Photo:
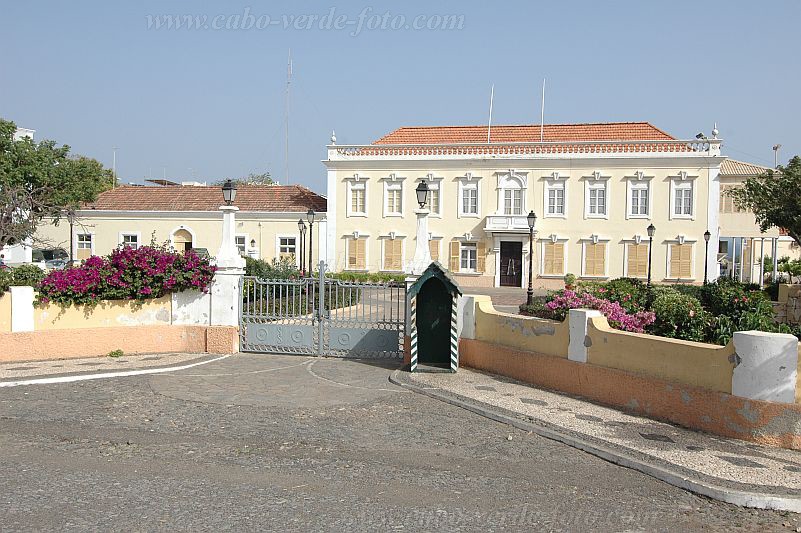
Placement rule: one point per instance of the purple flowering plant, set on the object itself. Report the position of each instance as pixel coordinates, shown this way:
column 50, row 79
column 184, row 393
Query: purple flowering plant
column 127, row 274
column 560, row 302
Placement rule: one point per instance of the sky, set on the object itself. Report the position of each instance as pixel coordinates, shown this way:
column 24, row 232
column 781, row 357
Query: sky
column 207, row 104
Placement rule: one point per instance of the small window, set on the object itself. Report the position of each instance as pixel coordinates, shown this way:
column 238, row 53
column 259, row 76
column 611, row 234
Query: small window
column 556, row 200
column 637, row 260
column 513, row 202
column 356, row 254
column 130, row 240
column 683, row 199
column 596, row 201
column 595, row 259
column 553, row 260
column 240, row 241
column 680, row 261
column 286, row 246
column 393, row 254
column 432, row 203
column 394, row 201
column 470, row 201
column 84, row 241
column 358, row 199
column 468, row 258
column 639, row 200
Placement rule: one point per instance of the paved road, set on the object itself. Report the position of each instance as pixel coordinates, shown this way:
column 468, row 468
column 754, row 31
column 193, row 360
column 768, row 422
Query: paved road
column 292, row 443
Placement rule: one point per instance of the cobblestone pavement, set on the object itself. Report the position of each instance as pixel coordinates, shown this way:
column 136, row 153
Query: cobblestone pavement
column 302, row 444
column 723, row 461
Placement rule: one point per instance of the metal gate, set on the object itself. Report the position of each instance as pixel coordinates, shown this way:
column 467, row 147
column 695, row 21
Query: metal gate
column 323, row 316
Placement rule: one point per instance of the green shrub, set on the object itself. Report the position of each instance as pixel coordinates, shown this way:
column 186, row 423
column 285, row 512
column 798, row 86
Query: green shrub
column 772, row 290
column 678, row 316
column 369, row 277
column 21, row 276
column 278, row 268
column 696, row 291
column 630, row 293
column 570, row 280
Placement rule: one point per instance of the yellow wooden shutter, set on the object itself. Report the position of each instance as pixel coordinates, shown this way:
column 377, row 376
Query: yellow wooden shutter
column 686, row 261
column 361, row 245
column 352, row 253
column 455, row 258
column 392, row 254
column 637, row 260
column 681, row 261
column 433, row 248
column 594, row 259
column 553, row 260
column 481, row 257
column 675, row 260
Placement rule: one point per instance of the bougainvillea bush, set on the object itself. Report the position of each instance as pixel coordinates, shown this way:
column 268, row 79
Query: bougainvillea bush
column 127, row 274
column 562, row 301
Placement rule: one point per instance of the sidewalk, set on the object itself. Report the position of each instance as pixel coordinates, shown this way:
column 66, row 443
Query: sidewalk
column 729, row 470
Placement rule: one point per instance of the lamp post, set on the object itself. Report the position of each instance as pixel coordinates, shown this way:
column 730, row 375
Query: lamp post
column 301, row 255
column 532, row 221
column 651, row 231
column 422, row 253
column 707, row 235
column 310, row 217
column 226, row 291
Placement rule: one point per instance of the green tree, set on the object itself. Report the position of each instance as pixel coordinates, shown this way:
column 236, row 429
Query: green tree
column 252, row 179
column 42, row 181
column 775, row 198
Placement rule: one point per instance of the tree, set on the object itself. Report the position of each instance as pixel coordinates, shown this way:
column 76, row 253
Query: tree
column 42, row 181
column 252, row 179
column 775, row 198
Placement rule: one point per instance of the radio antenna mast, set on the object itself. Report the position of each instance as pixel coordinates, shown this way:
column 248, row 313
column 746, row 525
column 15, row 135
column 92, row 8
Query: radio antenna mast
column 286, row 117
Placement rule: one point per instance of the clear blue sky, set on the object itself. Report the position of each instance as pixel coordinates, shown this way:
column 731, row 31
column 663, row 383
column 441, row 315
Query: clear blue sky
column 92, row 75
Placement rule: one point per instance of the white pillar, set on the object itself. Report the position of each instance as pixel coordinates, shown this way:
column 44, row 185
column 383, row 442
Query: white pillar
column 422, row 253
column 21, row 309
column 577, row 345
column 766, row 366
column 775, row 255
column 761, row 262
column 226, row 290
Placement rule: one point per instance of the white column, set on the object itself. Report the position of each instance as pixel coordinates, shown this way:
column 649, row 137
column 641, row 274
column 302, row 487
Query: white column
column 761, row 262
column 578, row 321
column 422, row 253
column 713, row 217
column 226, row 290
column 21, row 309
column 766, row 367
column 775, row 255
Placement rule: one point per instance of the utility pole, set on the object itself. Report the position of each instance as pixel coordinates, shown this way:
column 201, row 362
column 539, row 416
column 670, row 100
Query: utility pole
column 776, row 148
column 286, row 121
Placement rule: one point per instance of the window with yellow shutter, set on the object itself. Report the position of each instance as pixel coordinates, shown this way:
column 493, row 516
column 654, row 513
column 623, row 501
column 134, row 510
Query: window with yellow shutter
column 393, row 254
column 553, row 259
column 681, row 261
column 433, row 248
column 455, row 255
column 637, row 260
column 594, row 259
column 356, row 254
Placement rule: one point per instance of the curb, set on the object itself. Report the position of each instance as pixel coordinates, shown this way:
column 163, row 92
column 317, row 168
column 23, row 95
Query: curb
column 742, row 498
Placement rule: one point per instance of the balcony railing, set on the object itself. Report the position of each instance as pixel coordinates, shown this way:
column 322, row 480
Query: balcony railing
column 506, row 223
column 695, row 147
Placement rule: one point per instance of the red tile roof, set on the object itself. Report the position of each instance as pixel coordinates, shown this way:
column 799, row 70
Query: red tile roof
column 607, row 131
column 262, row 198
column 732, row 167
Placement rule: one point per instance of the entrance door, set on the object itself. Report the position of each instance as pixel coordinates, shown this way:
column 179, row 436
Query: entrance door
column 511, row 264
column 434, row 324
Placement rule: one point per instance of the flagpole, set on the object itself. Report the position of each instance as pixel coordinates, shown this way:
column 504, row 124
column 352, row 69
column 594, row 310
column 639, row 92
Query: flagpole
column 542, row 113
column 489, row 123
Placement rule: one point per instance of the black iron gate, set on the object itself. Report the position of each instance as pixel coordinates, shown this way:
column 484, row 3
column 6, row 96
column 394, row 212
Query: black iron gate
column 323, row 316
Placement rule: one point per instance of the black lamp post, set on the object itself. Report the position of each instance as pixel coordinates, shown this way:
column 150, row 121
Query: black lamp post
column 229, row 192
column 532, row 221
column 422, row 193
column 310, row 218
column 707, row 235
column 302, row 232
column 651, row 231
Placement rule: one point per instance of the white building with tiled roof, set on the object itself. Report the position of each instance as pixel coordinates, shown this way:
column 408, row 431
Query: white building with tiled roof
column 187, row 216
column 595, row 189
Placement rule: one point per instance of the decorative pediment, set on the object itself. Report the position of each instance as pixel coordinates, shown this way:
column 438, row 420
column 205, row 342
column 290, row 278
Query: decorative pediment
column 355, row 234
column 356, row 178
column 598, row 175
column 394, row 178
column 556, row 176
column 469, row 177
column 639, row 175
column 392, row 235
column 680, row 238
column 554, row 237
column 594, row 238
column 683, row 176
column 637, row 239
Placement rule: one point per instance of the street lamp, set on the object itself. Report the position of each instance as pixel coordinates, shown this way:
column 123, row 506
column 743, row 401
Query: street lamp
column 532, row 221
column 422, row 193
column 651, row 230
column 707, row 235
column 310, row 218
column 302, row 232
column 229, row 192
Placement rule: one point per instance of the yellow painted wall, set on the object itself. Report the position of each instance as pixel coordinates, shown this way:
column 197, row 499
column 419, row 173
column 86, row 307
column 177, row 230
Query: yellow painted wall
column 104, row 314
column 574, row 227
column 5, row 313
column 693, row 363
column 546, row 337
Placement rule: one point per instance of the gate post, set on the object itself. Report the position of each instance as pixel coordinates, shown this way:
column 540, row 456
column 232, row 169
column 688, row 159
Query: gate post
column 320, row 309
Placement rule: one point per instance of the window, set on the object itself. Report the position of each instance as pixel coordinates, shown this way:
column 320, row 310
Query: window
column 240, row 241
column 84, row 245
column 553, row 258
column 467, row 257
column 356, row 254
column 357, row 199
column 432, row 203
column 639, row 200
column 394, row 201
column 680, row 266
column 131, row 240
column 596, row 199
column 393, row 254
column 433, row 248
column 556, row 199
column 595, row 259
column 727, row 204
column 470, row 200
column 286, row 246
column 513, row 202
column 637, row 260
column 683, row 203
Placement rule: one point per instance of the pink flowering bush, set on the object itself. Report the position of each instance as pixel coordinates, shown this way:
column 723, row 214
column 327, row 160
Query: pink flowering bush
column 127, row 274
column 562, row 301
